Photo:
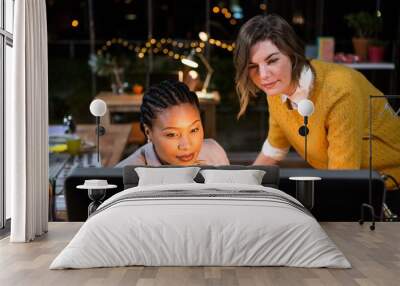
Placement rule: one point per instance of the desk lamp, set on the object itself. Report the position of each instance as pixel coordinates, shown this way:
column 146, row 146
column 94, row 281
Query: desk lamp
column 98, row 108
column 305, row 185
column 190, row 62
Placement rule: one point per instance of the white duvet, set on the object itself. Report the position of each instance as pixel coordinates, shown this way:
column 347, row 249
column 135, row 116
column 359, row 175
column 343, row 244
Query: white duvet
column 207, row 230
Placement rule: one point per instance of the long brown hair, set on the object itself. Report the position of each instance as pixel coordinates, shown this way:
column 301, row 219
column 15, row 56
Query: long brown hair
column 257, row 29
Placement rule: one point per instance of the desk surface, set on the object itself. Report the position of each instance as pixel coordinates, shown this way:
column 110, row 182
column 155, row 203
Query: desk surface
column 374, row 255
column 371, row 66
column 112, row 144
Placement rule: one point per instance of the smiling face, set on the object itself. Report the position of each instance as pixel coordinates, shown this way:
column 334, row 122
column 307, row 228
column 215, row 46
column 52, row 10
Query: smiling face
column 177, row 134
column 269, row 69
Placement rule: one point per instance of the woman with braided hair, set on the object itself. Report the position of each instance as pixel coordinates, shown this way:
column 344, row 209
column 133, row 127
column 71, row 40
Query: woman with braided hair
column 170, row 119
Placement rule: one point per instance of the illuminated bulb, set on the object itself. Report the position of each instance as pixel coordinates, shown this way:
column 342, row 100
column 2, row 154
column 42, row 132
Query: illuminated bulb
column 203, row 36
column 190, row 63
column 263, row 6
column 98, row 107
column 215, row 9
column 305, row 107
column 75, row 23
column 193, row 74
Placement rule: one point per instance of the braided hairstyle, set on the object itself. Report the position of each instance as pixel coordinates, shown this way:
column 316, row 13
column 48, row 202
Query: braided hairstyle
column 163, row 95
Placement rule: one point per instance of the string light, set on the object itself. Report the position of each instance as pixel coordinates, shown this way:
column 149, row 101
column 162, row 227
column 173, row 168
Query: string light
column 203, row 36
column 156, row 46
column 226, row 13
column 75, row 23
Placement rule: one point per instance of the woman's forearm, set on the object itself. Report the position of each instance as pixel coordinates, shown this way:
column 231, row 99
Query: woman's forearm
column 264, row 160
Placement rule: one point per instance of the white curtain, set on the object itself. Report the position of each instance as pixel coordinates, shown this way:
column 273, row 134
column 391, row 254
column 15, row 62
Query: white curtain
column 27, row 123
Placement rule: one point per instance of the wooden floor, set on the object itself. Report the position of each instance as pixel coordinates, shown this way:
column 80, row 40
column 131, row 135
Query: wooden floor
column 375, row 256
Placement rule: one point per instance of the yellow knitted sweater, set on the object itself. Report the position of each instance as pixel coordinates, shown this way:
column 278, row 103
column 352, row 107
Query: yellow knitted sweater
column 339, row 126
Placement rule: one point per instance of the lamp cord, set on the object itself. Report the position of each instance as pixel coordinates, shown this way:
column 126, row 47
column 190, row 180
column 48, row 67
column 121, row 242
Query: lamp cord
column 305, row 137
column 98, row 139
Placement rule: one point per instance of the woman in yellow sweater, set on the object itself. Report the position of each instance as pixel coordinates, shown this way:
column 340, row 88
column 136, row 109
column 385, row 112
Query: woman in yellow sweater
column 270, row 57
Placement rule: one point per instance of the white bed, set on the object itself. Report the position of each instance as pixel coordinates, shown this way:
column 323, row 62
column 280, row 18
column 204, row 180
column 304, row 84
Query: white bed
column 201, row 224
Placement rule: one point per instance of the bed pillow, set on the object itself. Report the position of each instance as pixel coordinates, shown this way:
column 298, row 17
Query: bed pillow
column 163, row 176
column 248, row 177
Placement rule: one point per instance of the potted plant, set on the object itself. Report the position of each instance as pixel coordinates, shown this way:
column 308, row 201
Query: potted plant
column 109, row 67
column 365, row 25
column 376, row 51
